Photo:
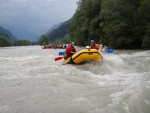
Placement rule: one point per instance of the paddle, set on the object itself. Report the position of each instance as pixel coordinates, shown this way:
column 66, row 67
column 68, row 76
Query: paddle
column 58, row 58
column 108, row 51
column 61, row 53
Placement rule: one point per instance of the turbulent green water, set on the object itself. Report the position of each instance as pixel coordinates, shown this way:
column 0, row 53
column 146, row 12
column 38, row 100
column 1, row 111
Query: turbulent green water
column 32, row 82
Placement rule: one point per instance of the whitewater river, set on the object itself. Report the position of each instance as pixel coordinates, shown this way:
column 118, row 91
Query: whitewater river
column 32, row 82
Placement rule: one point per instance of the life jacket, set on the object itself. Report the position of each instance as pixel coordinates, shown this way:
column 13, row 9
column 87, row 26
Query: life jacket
column 70, row 49
column 95, row 46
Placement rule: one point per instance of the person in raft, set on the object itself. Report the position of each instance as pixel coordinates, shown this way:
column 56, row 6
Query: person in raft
column 70, row 50
column 93, row 45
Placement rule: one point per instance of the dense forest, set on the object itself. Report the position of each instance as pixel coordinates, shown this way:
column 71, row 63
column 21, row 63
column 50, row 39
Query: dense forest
column 6, row 42
column 120, row 24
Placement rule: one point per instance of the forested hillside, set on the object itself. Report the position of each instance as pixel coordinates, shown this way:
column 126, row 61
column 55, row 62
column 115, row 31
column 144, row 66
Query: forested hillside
column 59, row 32
column 5, row 37
column 120, row 24
column 6, row 33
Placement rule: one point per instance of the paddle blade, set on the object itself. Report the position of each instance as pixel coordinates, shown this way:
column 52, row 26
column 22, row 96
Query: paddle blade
column 58, row 58
column 109, row 51
column 61, row 53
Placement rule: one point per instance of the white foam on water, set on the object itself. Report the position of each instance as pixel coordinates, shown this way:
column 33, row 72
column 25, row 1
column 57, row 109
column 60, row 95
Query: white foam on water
column 20, row 58
column 4, row 108
column 116, row 85
column 113, row 58
column 147, row 102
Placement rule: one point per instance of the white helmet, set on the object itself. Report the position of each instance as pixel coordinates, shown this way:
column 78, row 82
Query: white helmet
column 87, row 47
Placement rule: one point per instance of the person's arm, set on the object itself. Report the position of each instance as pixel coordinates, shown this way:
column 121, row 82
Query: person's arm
column 73, row 50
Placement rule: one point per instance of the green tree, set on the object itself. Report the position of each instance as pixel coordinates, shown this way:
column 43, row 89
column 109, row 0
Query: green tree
column 4, row 42
column 118, row 23
column 43, row 40
column 142, row 23
column 122, row 24
column 21, row 42
column 85, row 24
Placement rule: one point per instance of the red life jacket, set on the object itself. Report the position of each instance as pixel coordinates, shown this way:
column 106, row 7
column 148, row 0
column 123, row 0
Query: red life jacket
column 70, row 49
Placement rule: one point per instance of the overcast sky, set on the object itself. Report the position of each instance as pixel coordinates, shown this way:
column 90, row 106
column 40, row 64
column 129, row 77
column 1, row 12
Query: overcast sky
column 36, row 15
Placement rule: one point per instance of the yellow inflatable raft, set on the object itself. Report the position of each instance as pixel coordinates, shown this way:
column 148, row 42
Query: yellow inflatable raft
column 84, row 55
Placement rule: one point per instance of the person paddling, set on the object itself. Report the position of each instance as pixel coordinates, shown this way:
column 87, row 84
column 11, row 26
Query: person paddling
column 70, row 50
column 93, row 45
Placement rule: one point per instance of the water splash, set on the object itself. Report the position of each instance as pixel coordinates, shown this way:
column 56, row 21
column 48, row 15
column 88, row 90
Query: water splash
column 30, row 77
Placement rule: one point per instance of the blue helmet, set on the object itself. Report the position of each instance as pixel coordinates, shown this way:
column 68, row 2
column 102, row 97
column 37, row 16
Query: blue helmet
column 92, row 41
column 72, row 42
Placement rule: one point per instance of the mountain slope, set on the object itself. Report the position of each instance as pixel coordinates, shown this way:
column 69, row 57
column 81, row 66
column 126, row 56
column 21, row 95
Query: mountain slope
column 7, row 33
column 59, row 32
column 53, row 27
column 21, row 33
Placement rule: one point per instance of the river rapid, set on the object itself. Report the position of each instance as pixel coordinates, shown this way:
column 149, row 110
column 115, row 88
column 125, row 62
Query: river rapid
column 32, row 82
